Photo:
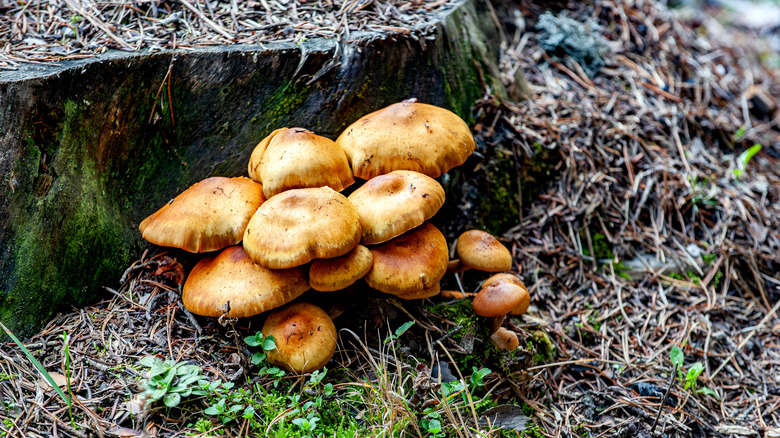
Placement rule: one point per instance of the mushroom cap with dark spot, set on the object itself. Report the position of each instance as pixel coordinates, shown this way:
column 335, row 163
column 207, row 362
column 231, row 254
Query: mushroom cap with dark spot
column 392, row 204
column 210, row 215
column 505, row 339
column 305, row 337
column 230, row 276
column 407, row 136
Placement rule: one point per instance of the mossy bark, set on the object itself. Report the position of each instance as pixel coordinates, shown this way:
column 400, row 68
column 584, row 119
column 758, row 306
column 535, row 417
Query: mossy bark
column 89, row 148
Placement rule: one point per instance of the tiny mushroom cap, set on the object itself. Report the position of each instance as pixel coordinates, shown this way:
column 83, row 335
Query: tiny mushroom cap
column 409, row 263
column 481, row 251
column 305, row 337
column 498, row 299
column 210, row 215
column 407, row 136
column 228, row 282
column 326, row 275
column 297, row 226
column 296, row 158
column 392, row 204
column 511, row 278
column 505, row 339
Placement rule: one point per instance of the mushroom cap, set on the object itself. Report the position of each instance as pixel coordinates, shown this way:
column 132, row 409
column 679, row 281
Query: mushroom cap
column 407, row 136
column 210, row 215
column 505, row 339
column 481, row 251
column 513, row 279
column 299, row 225
column 326, row 275
column 422, row 294
column 305, row 337
column 296, row 158
column 250, row 288
column 409, row 263
column 498, row 299
column 394, row 203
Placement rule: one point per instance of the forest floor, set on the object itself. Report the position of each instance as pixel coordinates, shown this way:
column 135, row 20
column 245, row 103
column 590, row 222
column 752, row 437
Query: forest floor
column 640, row 212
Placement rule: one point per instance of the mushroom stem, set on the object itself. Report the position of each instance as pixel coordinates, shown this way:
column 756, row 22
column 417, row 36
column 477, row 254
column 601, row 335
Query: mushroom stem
column 455, row 266
column 495, row 323
column 456, row 294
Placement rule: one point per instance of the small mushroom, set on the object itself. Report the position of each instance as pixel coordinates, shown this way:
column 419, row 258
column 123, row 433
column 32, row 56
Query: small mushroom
column 505, row 339
column 210, row 215
column 511, row 278
column 327, row 275
column 481, row 251
column 497, row 300
column 305, row 337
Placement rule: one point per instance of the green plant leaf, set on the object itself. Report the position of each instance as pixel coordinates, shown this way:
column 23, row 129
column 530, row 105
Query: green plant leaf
column 269, row 343
column 744, row 159
column 172, row 399
column 149, row 361
column 38, row 365
column 707, row 391
column 401, row 330
column 254, row 341
column 211, row 410
column 258, row 358
column 677, row 357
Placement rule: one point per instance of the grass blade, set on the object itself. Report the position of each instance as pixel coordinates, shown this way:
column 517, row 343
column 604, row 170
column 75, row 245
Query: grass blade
column 37, row 365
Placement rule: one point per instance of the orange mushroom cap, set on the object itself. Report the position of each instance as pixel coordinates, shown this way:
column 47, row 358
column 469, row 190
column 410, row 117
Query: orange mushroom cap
column 296, row 158
column 392, row 204
column 409, row 263
column 482, row 251
column 407, row 136
column 299, row 225
column 305, row 337
column 326, row 275
column 498, row 299
column 230, row 276
column 210, row 215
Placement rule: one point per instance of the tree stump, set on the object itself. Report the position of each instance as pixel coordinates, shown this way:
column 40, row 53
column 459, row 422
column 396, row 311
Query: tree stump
column 91, row 147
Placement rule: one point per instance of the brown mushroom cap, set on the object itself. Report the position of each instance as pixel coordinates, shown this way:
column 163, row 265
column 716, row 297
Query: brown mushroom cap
column 210, row 215
column 305, row 337
column 407, row 136
column 522, row 308
column 230, row 276
column 498, row 299
column 392, row 204
column 481, row 251
column 299, row 225
column 411, row 262
column 505, row 339
column 296, row 158
column 422, row 294
column 326, row 275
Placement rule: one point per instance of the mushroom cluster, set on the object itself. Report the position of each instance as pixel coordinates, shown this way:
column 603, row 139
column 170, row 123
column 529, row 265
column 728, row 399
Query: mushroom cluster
column 286, row 228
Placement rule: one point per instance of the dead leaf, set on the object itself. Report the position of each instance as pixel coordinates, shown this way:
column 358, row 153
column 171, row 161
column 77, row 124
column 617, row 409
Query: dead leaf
column 509, row 417
column 59, row 380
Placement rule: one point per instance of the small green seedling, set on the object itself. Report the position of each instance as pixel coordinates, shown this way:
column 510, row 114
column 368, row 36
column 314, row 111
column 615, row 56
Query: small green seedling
column 744, row 159
column 399, row 331
column 691, row 378
column 171, row 381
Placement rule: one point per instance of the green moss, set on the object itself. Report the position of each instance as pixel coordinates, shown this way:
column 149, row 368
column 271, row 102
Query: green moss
column 542, row 347
column 498, row 211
